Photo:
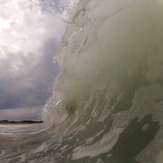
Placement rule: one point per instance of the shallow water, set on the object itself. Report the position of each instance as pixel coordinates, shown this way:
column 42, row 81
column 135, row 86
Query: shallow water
column 21, row 128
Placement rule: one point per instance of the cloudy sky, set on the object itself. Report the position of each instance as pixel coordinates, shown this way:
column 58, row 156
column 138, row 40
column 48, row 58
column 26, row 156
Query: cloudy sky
column 29, row 32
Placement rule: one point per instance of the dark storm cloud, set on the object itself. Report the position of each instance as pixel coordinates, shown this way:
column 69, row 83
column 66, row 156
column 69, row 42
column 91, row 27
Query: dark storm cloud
column 29, row 32
column 33, row 87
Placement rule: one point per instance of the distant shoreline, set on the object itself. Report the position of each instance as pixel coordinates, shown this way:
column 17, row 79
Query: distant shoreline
column 24, row 122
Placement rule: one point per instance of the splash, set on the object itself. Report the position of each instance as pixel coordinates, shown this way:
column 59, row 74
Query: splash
column 106, row 103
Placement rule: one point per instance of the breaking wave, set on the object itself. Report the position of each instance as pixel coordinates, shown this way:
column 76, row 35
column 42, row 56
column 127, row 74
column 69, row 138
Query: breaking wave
column 106, row 103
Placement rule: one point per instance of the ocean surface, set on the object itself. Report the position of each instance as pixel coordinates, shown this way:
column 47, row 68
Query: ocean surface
column 107, row 101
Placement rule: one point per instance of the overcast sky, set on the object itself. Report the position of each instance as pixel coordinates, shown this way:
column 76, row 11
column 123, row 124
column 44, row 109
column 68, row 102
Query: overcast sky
column 29, row 32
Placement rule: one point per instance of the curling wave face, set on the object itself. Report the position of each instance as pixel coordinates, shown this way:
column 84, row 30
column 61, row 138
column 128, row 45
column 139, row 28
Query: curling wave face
column 106, row 104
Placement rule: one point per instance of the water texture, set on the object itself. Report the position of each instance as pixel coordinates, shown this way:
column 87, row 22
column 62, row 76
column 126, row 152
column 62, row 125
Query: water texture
column 107, row 101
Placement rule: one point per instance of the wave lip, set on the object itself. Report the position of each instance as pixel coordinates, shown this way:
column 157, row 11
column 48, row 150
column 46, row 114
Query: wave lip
column 107, row 100
column 103, row 43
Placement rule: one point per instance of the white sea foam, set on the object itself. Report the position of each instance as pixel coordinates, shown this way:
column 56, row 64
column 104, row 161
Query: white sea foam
column 105, row 42
column 100, row 147
column 111, row 73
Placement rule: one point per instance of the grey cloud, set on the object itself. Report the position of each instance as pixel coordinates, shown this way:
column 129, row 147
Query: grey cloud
column 31, row 113
column 57, row 5
column 34, row 86
column 28, row 46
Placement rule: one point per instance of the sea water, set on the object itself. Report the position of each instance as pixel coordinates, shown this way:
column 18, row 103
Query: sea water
column 106, row 103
